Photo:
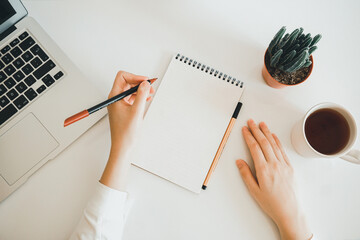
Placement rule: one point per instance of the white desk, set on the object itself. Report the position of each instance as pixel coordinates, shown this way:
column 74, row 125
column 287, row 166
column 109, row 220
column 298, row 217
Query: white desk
column 140, row 36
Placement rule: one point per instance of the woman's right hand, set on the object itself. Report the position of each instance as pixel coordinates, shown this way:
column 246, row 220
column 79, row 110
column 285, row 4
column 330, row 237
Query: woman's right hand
column 125, row 117
column 273, row 187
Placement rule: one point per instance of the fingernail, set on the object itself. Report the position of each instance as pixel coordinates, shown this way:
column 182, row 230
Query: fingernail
column 144, row 85
column 239, row 163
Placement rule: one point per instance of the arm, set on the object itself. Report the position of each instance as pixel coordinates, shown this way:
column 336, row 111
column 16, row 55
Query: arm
column 125, row 119
column 273, row 187
column 104, row 216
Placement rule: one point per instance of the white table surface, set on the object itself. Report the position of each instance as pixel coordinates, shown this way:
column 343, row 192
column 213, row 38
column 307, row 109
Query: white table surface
column 102, row 37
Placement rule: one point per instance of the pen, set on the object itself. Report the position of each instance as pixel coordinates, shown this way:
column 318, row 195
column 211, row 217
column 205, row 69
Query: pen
column 222, row 144
column 87, row 112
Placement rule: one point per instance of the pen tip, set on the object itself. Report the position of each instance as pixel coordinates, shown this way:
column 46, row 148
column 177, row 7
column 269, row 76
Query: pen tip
column 152, row 80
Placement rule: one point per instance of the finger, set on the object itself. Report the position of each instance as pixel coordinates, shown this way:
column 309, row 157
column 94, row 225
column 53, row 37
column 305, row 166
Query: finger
column 130, row 99
column 278, row 143
column 118, row 88
column 264, row 128
column 255, row 150
column 131, row 78
column 125, row 80
column 263, row 142
column 127, row 98
column 141, row 96
column 152, row 90
column 248, row 178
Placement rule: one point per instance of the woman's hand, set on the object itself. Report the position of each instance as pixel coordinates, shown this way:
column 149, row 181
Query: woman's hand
column 273, row 187
column 125, row 117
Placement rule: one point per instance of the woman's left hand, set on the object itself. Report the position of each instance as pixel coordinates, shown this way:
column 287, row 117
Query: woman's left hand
column 273, row 187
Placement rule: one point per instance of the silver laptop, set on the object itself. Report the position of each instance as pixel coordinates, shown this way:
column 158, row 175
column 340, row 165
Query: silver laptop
column 39, row 88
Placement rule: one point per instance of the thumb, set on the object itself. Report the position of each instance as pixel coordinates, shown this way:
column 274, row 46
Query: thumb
column 248, row 178
column 141, row 96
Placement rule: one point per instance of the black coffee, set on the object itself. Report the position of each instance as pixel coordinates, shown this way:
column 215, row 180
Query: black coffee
column 327, row 131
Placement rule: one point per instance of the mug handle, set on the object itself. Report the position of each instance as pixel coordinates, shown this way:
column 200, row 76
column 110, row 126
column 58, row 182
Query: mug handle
column 352, row 156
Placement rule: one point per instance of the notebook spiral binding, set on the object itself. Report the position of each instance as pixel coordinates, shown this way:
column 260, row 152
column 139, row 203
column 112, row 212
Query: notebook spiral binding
column 209, row 70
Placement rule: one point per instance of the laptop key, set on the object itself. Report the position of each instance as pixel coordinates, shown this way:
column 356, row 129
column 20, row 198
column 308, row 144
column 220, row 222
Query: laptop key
column 4, row 101
column 48, row 80
column 30, row 80
column 10, row 83
column 16, row 52
column 21, row 87
column 27, row 43
column 9, row 70
column 12, row 94
column 36, row 50
column 41, row 89
column 1, row 65
column 2, row 76
column 23, row 35
column 27, row 56
column 58, row 75
column 36, row 62
column 2, row 89
column 14, row 42
column 7, row 113
column 19, row 76
column 27, row 69
column 7, row 58
column 30, row 94
column 5, row 49
column 20, row 102
column 18, row 63
column 44, row 69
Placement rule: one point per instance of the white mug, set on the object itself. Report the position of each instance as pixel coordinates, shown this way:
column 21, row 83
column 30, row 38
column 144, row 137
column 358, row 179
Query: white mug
column 303, row 147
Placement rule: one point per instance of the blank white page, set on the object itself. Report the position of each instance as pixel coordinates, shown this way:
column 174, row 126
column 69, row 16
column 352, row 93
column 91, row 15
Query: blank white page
column 184, row 125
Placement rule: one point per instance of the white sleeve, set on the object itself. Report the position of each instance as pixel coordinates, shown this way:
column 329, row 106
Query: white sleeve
column 313, row 237
column 104, row 216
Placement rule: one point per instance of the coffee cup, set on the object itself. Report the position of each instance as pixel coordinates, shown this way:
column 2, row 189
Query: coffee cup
column 327, row 130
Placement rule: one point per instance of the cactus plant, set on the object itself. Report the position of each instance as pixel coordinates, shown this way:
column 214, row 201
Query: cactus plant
column 291, row 52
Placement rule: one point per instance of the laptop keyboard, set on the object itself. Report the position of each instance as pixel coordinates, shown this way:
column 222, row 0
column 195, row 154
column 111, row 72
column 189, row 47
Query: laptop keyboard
column 26, row 72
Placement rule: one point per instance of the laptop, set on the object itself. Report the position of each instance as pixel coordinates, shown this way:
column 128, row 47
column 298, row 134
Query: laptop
column 39, row 88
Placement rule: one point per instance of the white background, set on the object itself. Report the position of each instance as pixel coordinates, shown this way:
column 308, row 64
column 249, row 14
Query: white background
column 102, row 37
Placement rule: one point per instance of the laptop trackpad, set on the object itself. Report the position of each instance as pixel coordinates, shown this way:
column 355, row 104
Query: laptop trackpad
column 23, row 146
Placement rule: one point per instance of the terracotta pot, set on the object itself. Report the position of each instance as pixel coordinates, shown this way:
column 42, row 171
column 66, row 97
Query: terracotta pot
column 272, row 82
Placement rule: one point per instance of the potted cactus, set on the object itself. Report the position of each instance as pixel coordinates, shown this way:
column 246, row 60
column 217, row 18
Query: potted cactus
column 288, row 60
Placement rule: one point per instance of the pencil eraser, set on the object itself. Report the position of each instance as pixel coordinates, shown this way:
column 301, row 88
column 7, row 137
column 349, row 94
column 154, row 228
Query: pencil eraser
column 204, row 187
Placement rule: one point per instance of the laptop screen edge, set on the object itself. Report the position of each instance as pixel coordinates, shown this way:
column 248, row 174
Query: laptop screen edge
column 21, row 12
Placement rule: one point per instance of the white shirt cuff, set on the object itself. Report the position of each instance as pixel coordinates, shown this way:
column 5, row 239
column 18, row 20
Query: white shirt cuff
column 107, row 202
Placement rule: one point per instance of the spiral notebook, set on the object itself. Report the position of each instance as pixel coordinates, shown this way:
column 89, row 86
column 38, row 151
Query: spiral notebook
column 186, row 121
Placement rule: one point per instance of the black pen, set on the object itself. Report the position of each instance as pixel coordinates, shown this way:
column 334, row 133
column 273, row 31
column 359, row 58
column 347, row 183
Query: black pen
column 87, row 112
